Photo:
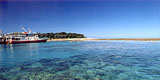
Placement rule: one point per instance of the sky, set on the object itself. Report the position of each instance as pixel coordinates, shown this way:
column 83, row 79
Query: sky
column 93, row 18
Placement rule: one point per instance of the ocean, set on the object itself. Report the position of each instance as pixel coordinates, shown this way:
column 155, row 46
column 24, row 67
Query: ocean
column 81, row 60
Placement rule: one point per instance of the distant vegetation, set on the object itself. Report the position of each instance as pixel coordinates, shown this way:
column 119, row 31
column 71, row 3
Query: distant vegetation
column 60, row 35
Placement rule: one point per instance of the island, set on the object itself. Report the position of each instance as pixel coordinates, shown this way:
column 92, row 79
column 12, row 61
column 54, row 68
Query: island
column 60, row 35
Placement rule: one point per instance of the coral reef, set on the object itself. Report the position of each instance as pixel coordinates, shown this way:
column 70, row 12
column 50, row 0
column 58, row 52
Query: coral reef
column 83, row 67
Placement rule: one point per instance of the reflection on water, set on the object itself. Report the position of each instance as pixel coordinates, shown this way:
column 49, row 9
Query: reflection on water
column 12, row 54
column 89, row 60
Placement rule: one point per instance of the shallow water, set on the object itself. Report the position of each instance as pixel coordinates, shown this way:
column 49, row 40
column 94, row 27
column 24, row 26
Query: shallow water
column 88, row 60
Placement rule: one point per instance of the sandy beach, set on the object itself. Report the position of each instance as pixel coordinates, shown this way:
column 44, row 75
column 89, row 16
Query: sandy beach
column 94, row 39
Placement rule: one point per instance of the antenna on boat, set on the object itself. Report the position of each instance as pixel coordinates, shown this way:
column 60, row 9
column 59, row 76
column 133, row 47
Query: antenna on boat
column 24, row 29
column 0, row 32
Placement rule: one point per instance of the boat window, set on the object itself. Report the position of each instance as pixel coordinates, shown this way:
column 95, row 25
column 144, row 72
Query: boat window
column 29, row 34
column 17, row 39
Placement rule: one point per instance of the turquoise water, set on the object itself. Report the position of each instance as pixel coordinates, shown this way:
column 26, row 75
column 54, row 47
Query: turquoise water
column 88, row 60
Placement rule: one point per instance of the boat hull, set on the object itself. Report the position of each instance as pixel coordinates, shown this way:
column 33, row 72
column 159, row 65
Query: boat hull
column 1, row 42
column 23, row 41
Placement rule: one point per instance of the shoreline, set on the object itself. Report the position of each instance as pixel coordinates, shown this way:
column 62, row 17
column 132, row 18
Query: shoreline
column 94, row 39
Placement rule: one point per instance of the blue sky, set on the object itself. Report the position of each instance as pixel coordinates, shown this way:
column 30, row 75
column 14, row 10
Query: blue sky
column 96, row 19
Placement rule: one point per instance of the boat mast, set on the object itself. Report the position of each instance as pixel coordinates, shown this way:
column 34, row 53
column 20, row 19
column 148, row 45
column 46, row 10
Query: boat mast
column 24, row 29
column 29, row 30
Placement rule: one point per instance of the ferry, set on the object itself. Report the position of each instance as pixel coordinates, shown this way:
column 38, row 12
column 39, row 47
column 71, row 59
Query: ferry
column 20, row 37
